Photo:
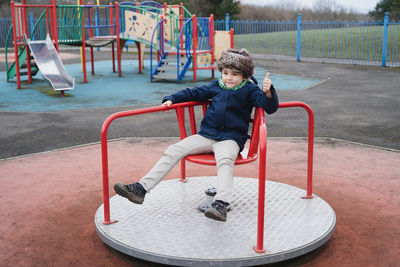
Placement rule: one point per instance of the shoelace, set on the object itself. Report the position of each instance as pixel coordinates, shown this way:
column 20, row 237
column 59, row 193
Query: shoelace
column 135, row 189
column 219, row 207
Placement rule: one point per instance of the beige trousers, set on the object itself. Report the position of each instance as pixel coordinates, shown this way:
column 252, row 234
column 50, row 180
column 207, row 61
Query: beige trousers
column 225, row 153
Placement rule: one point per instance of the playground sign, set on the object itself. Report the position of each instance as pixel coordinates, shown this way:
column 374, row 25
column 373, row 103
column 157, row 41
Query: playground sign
column 140, row 25
column 204, row 59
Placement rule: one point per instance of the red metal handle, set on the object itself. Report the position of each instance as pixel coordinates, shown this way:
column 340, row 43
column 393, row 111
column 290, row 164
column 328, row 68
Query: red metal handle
column 104, row 148
column 259, row 248
column 262, row 163
column 310, row 141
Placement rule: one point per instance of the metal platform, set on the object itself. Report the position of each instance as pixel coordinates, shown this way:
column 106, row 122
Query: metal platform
column 168, row 228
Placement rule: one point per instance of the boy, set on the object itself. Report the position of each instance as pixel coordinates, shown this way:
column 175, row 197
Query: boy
column 223, row 129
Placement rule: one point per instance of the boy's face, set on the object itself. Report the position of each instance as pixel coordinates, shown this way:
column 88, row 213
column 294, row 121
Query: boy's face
column 231, row 78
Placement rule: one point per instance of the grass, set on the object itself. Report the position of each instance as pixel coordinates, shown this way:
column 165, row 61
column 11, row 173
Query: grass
column 357, row 43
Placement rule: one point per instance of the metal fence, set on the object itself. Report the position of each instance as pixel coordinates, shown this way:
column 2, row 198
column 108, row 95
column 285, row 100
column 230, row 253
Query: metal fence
column 5, row 24
column 344, row 42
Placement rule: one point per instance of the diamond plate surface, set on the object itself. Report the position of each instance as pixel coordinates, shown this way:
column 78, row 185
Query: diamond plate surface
column 169, row 228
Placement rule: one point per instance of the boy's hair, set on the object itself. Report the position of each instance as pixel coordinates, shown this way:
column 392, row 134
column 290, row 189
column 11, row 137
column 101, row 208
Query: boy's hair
column 239, row 60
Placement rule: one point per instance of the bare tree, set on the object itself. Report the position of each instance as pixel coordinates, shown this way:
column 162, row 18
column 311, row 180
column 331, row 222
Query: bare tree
column 288, row 10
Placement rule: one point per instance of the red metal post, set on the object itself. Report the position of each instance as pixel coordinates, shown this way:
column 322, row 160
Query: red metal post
column 104, row 157
column 194, row 40
column 192, row 120
column 232, row 38
column 211, row 34
column 112, row 34
column 49, row 21
column 15, row 44
column 24, row 23
column 54, row 23
column 259, row 248
column 180, row 28
column 140, row 59
column 48, row 26
column 118, row 39
column 181, row 19
column 310, row 151
column 83, row 42
column 180, row 115
column 183, row 171
column 162, row 36
column 90, row 35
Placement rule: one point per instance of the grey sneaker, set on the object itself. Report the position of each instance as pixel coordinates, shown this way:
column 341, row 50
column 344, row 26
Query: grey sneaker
column 133, row 192
column 217, row 211
column 210, row 194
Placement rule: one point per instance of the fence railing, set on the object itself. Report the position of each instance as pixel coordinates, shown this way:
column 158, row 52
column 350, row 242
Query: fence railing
column 5, row 24
column 344, row 42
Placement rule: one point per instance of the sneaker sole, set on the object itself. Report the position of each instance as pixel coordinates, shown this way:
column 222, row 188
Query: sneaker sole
column 120, row 190
column 204, row 205
column 215, row 216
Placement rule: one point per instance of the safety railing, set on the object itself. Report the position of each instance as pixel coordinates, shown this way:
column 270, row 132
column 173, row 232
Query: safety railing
column 259, row 248
column 343, row 42
column 69, row 24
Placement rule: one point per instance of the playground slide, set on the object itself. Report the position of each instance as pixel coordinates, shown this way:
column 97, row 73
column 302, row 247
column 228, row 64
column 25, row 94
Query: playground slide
column 50, row 65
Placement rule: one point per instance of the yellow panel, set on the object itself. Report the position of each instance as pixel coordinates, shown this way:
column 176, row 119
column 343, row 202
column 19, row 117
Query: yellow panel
column 222, row 43
column 204, row 59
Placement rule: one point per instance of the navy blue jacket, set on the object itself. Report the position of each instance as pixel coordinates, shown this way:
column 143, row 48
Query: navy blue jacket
column 228, row 115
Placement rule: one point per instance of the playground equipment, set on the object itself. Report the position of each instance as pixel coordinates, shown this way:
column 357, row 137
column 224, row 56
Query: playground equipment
column 49, row 63
column 179, row 37
column 296, row 223
column 69, row 29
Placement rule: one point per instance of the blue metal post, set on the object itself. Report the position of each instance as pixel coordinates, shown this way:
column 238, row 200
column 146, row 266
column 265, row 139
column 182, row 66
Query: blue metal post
column 227, row 22
column 298, row 36
column 385, row 38
column 97, row 24
column 32, row 25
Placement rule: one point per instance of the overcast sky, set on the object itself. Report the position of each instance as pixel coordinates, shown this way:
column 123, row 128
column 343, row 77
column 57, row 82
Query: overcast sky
column 359, row 5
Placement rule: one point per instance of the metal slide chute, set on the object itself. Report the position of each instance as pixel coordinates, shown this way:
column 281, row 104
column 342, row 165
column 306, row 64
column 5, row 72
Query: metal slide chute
column 50, row 64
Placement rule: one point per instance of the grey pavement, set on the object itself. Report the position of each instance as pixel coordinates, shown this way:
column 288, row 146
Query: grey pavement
column 353, row 103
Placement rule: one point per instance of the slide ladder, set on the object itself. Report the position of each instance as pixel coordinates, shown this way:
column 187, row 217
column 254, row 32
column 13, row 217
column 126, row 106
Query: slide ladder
column 173, row 64
column 194, row 46
column 23, row 67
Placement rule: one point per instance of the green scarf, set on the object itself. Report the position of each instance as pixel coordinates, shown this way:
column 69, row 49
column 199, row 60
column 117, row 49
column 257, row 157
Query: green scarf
column 223, row 86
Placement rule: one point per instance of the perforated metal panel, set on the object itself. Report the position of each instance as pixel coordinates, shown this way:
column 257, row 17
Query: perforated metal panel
column 168, row 228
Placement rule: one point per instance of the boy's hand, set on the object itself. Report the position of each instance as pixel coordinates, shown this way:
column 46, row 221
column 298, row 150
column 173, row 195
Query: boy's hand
column 167, row 103
column 267, row 86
